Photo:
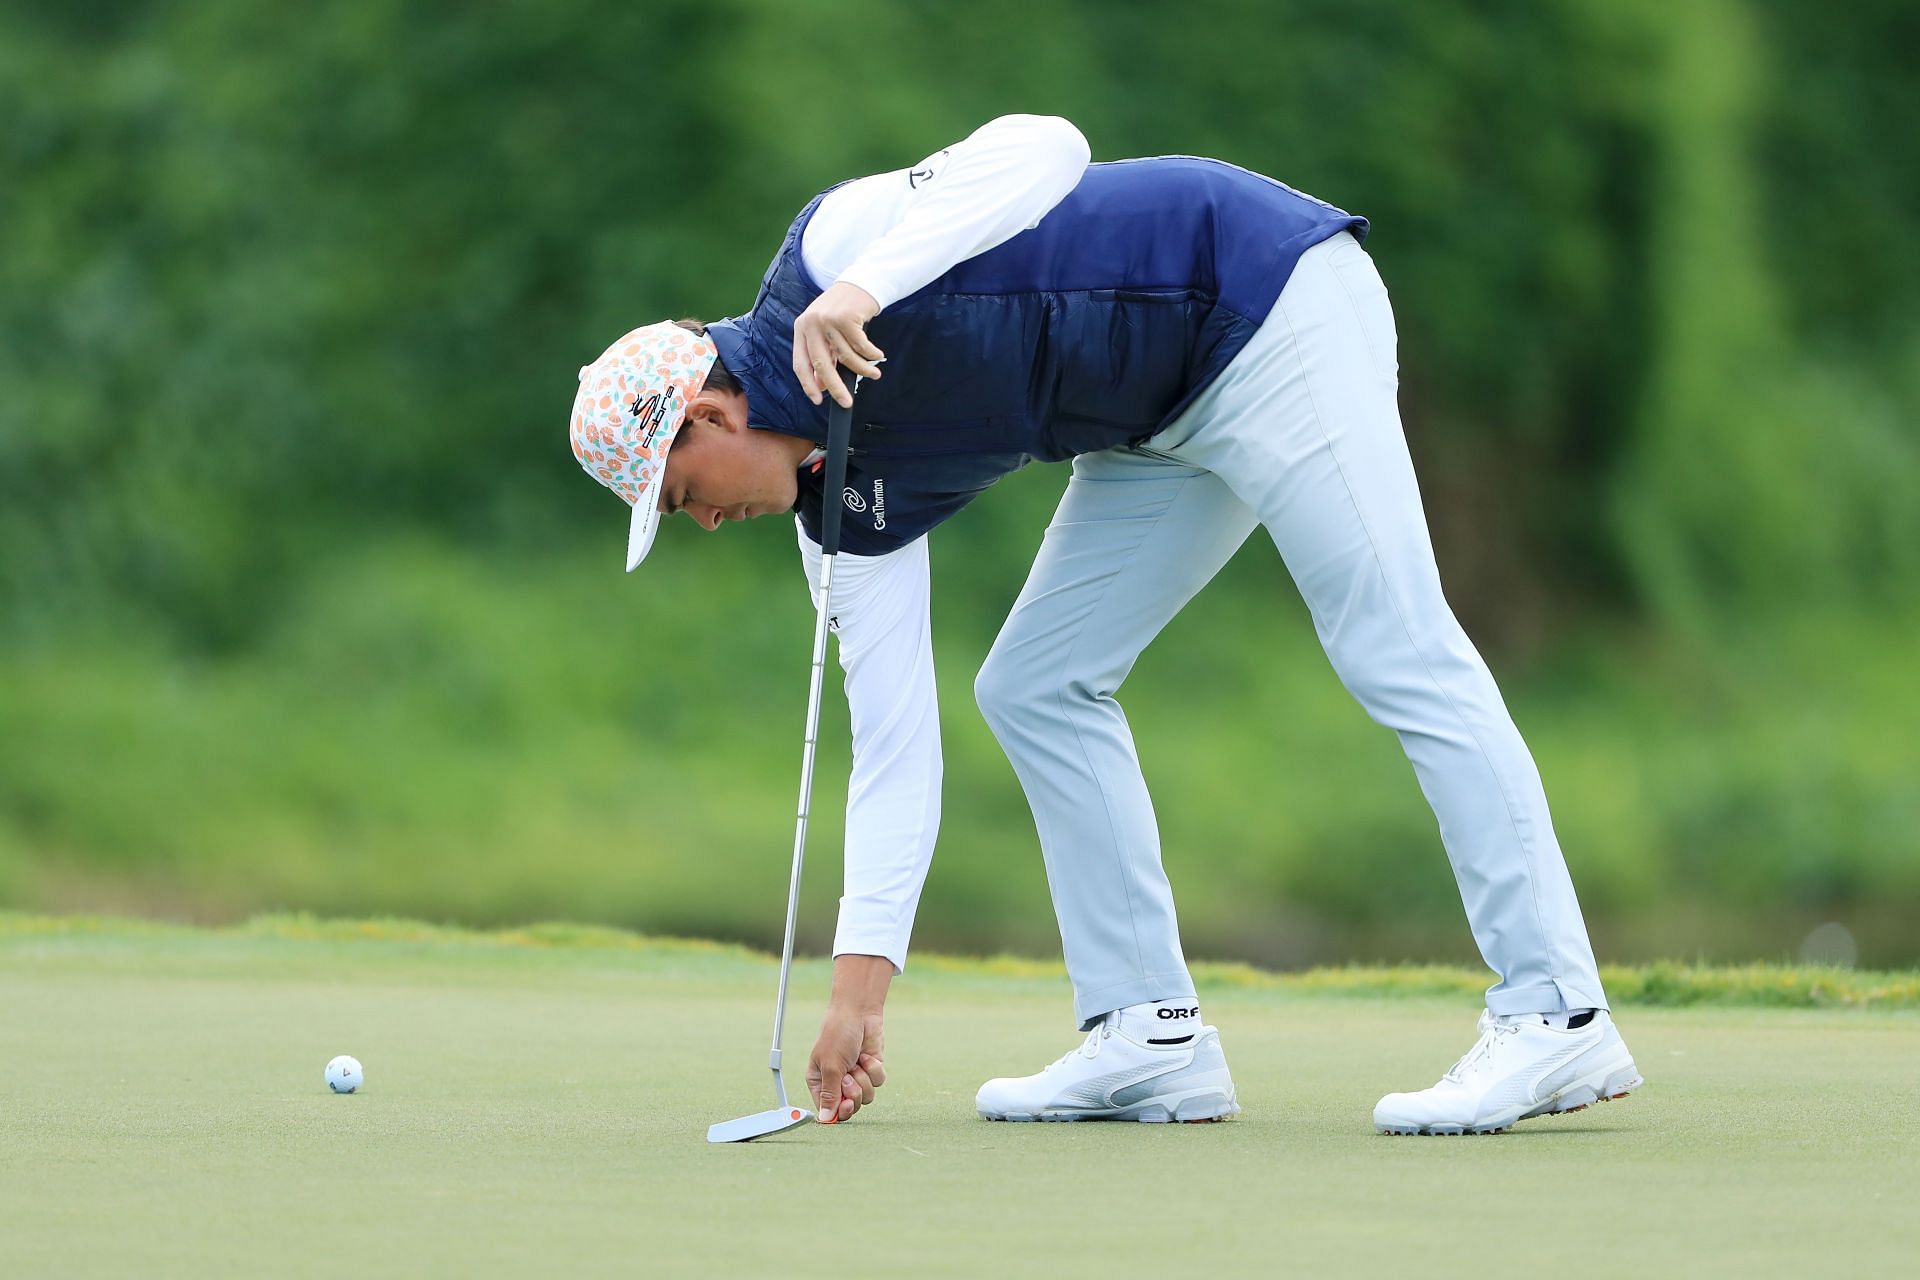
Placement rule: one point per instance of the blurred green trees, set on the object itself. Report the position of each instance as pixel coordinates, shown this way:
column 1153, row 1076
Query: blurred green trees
column 303, row 602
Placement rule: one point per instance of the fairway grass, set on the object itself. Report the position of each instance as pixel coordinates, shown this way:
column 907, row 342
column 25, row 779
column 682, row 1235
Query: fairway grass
column 540, row 1109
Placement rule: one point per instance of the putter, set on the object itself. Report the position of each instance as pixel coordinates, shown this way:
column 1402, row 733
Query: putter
column 786, row 1115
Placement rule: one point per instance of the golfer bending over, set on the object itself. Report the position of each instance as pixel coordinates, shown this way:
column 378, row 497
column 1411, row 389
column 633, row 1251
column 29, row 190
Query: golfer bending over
column 1214, row 351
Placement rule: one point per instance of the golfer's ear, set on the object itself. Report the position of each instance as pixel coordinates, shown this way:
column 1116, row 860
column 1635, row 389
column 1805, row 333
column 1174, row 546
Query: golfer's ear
column 716, row 409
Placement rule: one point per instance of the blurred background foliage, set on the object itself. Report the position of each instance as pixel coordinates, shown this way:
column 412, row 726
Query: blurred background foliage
column 304, row 603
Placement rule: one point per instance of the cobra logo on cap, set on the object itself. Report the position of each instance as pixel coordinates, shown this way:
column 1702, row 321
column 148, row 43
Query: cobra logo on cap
column 649, row 413
column 630, row 403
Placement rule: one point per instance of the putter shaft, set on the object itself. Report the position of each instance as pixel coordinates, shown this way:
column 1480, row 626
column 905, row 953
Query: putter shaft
column 816, row 681
column 839, row 430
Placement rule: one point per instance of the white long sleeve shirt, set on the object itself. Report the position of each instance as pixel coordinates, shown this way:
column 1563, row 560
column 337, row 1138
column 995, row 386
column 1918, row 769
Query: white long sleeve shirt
column 891, row 234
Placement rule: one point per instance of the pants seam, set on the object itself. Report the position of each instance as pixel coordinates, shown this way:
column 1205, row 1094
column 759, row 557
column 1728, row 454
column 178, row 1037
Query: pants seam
column 1365, row 337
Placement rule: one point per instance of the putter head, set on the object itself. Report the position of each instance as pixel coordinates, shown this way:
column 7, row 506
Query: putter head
column 747, row 1128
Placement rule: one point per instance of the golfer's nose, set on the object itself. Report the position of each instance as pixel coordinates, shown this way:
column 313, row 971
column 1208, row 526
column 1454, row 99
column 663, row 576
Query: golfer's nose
column 708, row 517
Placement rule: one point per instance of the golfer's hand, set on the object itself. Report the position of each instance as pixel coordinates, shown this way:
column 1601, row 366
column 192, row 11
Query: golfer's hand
column 833, row 332
column 845, row 1067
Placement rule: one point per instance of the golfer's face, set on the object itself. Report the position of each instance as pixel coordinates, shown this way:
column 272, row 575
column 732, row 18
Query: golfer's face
column 718, row 471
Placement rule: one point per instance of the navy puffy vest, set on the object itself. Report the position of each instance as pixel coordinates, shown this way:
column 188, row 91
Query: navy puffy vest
column 1093, row 329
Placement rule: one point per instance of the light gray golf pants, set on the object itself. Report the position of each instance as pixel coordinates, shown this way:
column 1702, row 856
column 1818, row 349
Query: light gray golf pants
column 1300, row 433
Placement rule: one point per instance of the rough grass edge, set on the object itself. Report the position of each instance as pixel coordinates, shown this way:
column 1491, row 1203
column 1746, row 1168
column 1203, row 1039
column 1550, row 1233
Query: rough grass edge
column 1663, row 983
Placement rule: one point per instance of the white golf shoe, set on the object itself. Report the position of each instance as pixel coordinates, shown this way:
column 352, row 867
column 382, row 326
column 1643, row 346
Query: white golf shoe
column 1519, row 1068
column 1112, row 1076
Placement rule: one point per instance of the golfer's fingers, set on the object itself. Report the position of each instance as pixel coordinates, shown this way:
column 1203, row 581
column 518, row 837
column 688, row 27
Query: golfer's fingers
column 864, row 345
column 828, row 1094
column 875, row 1070
column 803, row 361
column 812, row 357
column 858, row 1085
column 847, row 1107
column 826, row 371
column 820, row 364
column 830, row 382
column 846, row 354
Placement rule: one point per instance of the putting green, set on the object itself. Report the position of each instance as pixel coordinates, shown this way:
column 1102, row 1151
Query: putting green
column 541, row 1110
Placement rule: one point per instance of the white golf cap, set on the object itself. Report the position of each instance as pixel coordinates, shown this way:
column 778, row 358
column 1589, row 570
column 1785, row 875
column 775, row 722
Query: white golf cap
column 628, row 409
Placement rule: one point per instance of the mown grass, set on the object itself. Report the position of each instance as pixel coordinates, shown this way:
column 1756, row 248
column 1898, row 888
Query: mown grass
column 1665, row 984
column 537, row 1100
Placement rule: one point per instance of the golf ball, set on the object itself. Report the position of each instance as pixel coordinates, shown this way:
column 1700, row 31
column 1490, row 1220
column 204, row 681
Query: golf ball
column 344, row 1074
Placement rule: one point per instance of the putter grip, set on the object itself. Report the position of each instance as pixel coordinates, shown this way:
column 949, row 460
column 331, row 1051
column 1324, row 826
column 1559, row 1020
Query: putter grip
column 839, row 432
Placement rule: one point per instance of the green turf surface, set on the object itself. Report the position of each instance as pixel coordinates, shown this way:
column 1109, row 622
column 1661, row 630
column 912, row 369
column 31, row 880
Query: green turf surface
column 540, row 1109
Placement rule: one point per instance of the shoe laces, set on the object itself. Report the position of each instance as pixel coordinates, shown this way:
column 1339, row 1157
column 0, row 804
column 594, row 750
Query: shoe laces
column 1090, row 1047
column 1491, row 1030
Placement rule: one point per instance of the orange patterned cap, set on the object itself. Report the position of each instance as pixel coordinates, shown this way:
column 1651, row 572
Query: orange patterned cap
column 627, row 411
